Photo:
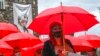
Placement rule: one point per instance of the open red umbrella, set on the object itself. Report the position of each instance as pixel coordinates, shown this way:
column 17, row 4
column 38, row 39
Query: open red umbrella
column 21, row 40
column 79, row 44
column 30, row 51
column 73, row 19
column 94, row 40
column 7, row 28
column 4, row 47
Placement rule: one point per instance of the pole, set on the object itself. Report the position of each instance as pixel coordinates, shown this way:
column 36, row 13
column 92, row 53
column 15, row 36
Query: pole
column 99, row 9
column 85, row 32
column 98, row 49
column 64, row 43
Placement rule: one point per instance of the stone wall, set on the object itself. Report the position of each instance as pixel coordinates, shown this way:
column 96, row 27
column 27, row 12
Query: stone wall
column 7, row 13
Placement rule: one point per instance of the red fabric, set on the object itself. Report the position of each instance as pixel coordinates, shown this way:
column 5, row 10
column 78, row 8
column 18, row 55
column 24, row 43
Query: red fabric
column 21, row 40
column 27, row 53
column 94, row 40
column 72, row 19
column 8, row 53
column 79, row 44
column 30, row 51
column 7, row 28
column 4, row 47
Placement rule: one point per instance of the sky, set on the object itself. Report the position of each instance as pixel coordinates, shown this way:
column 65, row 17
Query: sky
column 92, row 6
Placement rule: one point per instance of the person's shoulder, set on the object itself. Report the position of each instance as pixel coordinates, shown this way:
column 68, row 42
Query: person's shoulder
column 67, row 40
column 48, row 41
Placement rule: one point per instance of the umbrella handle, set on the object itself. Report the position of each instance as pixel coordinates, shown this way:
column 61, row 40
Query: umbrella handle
column 64, row 45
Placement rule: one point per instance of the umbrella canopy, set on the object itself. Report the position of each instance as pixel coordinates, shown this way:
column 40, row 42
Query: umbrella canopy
column 32, row 50
column 73, row 19
column 94, row 40
column 79, row 44
column 7, row 28
column 4, row 47
column 21, row 40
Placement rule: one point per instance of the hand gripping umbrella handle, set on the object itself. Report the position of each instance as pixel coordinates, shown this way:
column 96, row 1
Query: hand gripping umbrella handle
column 64, row 46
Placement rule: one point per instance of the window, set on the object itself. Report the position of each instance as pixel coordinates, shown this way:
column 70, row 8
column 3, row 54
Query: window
column 2, row 4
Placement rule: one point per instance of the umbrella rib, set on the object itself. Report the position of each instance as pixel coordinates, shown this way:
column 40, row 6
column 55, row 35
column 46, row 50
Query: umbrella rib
column 46, row 22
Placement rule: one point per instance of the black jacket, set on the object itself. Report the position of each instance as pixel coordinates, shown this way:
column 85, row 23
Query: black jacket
column 48, row 49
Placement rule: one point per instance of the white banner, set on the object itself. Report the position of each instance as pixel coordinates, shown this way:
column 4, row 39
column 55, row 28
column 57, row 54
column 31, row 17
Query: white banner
column 22, row 16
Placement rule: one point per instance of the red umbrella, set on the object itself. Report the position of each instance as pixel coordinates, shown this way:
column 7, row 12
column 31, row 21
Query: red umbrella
column 21, row 40
column 4, row 47
column 7, row 28
column 32, row 50
column 79, row 44
column 94, row 40
column 73, row 19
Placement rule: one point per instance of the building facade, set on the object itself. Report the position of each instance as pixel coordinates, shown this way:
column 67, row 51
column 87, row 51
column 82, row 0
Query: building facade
column 6, row 8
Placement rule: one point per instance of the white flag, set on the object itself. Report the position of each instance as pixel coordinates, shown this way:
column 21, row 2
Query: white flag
column 22, row 16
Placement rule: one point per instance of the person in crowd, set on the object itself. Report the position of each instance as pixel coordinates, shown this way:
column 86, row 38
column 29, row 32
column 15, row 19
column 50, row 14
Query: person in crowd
column 92, row 53
column 98, row 51
column 2, row 54
column 38, row 52
column 16, row 52
column 57, row 46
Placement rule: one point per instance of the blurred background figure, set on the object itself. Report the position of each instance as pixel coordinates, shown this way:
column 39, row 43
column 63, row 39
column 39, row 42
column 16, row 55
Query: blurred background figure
column 98, row 51
column 23, row 22
column 38, row 52
column 16, row 52
column 1, row 54
column 92, row 53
